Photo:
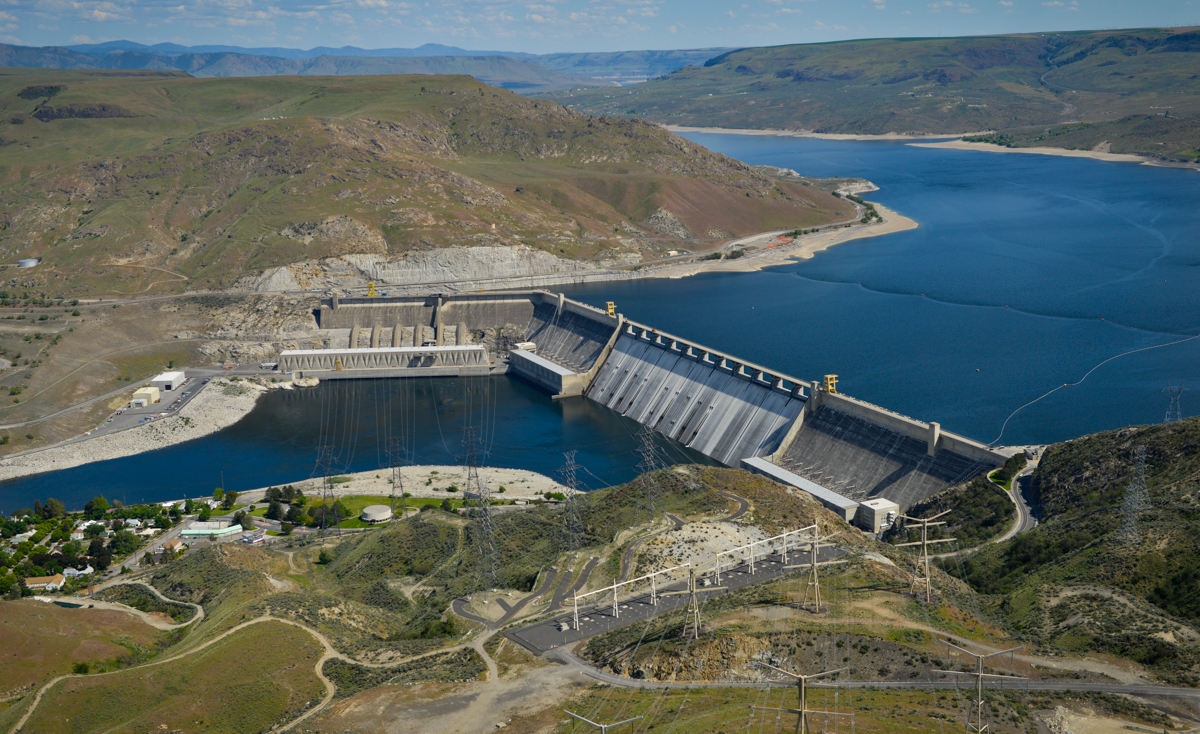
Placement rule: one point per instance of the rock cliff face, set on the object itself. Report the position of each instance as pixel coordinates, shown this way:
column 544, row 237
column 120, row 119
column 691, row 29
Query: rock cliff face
column 443, row 265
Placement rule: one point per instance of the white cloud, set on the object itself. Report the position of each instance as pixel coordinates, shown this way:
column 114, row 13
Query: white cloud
column 1005, row 3
column 949, row 5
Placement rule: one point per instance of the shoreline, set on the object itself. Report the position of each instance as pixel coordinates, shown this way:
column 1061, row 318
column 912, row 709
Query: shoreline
column 522, row 484
column 802, row 248
column 209, row 412
column 775, row 132
column 1061, row 152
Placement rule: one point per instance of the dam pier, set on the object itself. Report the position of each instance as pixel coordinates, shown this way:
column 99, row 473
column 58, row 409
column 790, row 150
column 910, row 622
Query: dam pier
column 842, row 451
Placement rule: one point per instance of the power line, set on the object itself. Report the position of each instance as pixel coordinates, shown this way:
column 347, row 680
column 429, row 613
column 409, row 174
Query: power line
column 489, row 569
column 650, row 496
column 1137, row 500
column 573, row 537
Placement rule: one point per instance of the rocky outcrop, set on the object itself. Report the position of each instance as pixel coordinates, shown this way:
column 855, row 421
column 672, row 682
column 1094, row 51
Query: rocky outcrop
column 668, row 225
column 338, row 234
column 443, row 265
column 729, row 658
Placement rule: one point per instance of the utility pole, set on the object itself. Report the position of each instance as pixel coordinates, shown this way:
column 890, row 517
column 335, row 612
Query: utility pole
column 489, row 571
column 692, row 625
column 921, row 574
column 602, row 727
column 1174, row 414
column 802, row 711
column 975, row 722
column 395, row 452
column 573, row 537
column 651, row 500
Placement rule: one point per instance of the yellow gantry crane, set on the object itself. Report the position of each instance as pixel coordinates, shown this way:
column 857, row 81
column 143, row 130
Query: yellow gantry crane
column 831, row 383
column 371, row 290
column 611, row 308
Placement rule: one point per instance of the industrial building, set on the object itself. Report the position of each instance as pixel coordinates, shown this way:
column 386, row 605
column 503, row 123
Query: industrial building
column 144, row 396
column 167, row 381
column 845, row 452
column 205, row 529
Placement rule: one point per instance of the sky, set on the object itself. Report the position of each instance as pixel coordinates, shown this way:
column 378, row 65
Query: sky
column 552, row 26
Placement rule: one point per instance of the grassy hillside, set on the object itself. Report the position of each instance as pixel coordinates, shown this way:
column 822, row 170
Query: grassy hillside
column 1075, row 583
column 113, row 178
column 925, row 85
column 1159, row 136
column 499, row 71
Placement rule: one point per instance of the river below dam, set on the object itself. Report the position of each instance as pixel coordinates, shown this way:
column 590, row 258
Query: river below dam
column 1027, row 273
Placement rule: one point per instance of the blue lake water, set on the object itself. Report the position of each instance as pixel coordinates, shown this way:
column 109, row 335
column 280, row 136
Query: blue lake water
column 1026, row 272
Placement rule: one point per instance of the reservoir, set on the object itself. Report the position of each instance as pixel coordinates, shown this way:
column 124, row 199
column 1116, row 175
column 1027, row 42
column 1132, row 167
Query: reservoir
column 1026, row 273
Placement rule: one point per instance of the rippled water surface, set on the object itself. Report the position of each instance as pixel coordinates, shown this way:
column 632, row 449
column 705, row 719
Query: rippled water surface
column 1026, row 272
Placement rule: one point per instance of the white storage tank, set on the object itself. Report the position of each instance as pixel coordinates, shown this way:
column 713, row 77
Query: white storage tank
column 28, row 262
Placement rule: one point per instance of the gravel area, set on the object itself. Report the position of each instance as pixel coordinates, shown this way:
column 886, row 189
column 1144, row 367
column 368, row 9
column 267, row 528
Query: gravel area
column 214, row 408
column 428, row 481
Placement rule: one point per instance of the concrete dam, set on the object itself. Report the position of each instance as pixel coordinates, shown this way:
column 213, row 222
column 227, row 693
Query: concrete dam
column 841, row 450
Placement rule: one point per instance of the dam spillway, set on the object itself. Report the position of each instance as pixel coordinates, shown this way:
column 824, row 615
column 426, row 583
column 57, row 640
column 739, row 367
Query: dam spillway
column 840, row 450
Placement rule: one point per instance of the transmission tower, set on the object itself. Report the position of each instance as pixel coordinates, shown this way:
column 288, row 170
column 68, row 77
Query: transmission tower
column 573, row 537
column 651, row 497
column 921, row 575
column 813, row 588
column 1137, row 500
column 975, row 722
column 1174, row 414
column 325, row 460
column 802, row 710
column 489, row 570
column 396, row 457
column 691, row 628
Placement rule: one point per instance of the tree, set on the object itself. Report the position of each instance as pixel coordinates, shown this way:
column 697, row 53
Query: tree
column 188, row 507
column 241, row 518
column 54, row 509
column 274, row 494
column 324, row 557
column 205, row 513
column 37, row 508
column 286, row 528
column 447, row 505
column 96, row 547
column 218, row 494
column 274, row 511
column 230, row 500
column 82, row 668
column 93, row 531
column 294, row 514
column 123, row 543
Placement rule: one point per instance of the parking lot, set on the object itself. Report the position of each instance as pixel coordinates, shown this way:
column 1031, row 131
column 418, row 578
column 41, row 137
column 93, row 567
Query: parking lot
column 171, row 402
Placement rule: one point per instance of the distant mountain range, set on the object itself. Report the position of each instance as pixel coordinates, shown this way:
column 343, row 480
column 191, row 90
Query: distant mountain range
column 517, row 71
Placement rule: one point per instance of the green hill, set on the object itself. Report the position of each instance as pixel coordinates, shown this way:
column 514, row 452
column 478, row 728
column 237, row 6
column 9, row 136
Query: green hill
column 923, row 85
column 1077, row 582
column 114, row 177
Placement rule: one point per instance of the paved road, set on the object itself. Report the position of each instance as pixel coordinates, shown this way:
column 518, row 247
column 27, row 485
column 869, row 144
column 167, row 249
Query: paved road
column 565, row 656
column 1026, row 520
column 565, row 589
column 743, row 506
column 627, row 556
column 595, row 619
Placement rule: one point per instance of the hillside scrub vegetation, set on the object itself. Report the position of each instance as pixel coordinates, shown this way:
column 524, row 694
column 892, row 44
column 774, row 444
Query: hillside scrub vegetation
column 1076, row 581
column 1022, row 81
column 194, row 189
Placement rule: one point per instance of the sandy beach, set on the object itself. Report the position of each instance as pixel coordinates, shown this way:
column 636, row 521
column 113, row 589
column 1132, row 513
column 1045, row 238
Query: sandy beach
column 426, row 481
column 808, row 134
column 801, row 248
column 990, row 148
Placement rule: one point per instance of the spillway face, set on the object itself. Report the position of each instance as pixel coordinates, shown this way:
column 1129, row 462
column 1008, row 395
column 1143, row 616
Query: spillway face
column 695, row 401
column 860, row 459
column 567, row 338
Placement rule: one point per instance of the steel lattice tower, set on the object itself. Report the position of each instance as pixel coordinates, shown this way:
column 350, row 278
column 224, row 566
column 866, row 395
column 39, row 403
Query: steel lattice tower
column 651, row 497
column 396, row 457
column 489, row 568
column 325, row 459
column 1174, row 414
column 1137, row 500
column 573, row 537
